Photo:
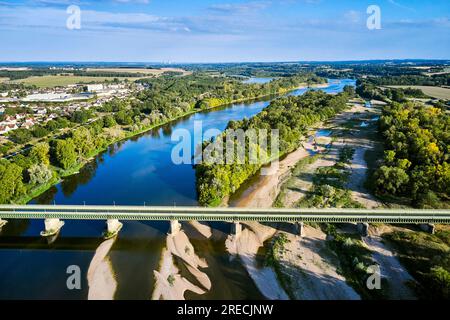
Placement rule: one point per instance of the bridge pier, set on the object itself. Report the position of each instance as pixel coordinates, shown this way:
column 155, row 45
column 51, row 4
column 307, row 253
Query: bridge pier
column 236, row 229
column 113, row 226
column 300, row 228
column 428, row 227
column 363, row 229
column 52, row 227
column 175, row 227
column 2, row 223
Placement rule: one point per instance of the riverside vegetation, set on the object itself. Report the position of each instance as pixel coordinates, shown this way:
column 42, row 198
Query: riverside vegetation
column 329, row 185
column 416, row 164
column 63, row 146
column 292, row 116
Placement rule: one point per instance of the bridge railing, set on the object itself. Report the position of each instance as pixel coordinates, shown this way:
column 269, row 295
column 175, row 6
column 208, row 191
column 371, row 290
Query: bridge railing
column 71, row 212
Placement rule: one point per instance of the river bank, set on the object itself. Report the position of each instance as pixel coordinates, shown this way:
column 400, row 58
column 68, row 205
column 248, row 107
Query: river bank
column 307, row 264
column 142, row 173
column 126, row 135
column 264, row 191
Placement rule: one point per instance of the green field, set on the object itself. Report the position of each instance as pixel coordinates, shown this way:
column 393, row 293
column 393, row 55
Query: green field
column 55, row 81
column 434, row 92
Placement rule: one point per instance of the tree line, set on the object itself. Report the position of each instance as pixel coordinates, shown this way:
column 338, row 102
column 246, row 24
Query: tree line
column 416, row 163
column 292, row 116
column 371, row 91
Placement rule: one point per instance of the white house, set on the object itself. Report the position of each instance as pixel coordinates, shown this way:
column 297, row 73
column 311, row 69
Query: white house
column 41, row 111
column 5, row 128
column 29, row 122
column 94, row 87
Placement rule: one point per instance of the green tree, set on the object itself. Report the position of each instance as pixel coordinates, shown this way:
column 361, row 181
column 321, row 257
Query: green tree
column 65, row 153
column 40, row 153
column 123, row 118
column 11, row 183
column 109, row 121
column 390, row 180
column 21, row 136
column 59, row 123
column 440, row 282
column 81, row 116
column 39, row 174
column 350, row 91
column 83, row 141
column 39, row 132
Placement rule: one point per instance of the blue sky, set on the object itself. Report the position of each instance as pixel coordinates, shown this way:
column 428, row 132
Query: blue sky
column 223, row 30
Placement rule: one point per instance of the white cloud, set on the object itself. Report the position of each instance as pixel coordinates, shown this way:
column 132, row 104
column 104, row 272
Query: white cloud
column 135, row 1
column 395, row 3
column 353, row 16
column 240, row 7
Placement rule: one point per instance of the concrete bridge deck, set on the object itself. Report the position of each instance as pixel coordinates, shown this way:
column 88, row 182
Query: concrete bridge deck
column 393, row 216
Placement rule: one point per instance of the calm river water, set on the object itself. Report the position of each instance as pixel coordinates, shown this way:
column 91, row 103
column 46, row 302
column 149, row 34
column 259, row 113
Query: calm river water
column 132, row 172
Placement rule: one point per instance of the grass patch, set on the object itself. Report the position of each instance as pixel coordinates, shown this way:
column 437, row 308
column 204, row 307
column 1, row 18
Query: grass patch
column 427, row 258
column 354, row 260
column 276, row 249
column 329, row 183
column 296, row 171
column 36, row 191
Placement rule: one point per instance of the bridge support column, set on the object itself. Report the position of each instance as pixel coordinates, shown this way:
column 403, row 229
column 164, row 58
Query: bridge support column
column 300, row 228
column 236, row 229
column 429, row 227
column 175, row 227
column 363, row 229
column 52, row 227
column 113, row 226
column 2, row 223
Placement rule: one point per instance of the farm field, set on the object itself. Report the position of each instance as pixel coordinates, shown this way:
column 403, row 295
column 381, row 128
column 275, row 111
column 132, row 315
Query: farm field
column 434, row 92
column 55, row 81
column 155, row 72
column 49, row 81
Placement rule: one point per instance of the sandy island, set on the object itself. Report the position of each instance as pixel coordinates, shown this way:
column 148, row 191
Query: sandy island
column 170, row 285
column 246, row 246
column 391, row 269
column 310, row 265
column 100, row 276
column 312, row 268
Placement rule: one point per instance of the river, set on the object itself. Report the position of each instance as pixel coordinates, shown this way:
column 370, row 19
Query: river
column 137, row 171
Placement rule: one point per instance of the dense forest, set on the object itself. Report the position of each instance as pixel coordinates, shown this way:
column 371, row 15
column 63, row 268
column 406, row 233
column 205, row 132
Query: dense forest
column 413, row 80
column 416, row 164
column 371, row 91
column 292, row 116
column 412, row 69
column 203, row 91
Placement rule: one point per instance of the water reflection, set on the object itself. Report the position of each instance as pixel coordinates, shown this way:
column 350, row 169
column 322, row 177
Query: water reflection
column 140, row 169
column 132, row 171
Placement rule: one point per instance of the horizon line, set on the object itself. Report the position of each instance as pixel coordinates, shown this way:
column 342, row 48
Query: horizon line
column 224, row 62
